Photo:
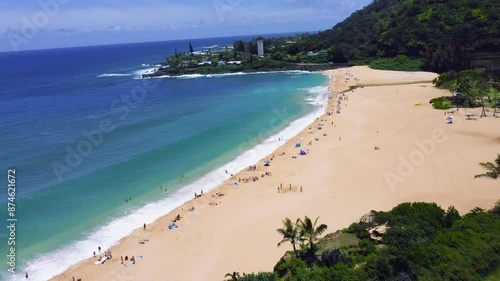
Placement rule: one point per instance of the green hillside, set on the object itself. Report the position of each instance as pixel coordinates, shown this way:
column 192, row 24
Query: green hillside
column 445, row 35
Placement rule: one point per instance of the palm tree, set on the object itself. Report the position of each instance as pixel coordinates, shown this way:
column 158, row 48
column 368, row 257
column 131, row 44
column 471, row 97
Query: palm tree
column 310, row 232
column 482, row 87
column 291, row 233
column 234, row 276
column 493, row 168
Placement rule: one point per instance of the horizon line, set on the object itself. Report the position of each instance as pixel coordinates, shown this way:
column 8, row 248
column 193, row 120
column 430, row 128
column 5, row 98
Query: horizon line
column 142, row 42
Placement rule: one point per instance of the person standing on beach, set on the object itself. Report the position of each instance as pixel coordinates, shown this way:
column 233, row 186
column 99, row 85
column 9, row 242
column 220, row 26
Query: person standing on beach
column 144, row 226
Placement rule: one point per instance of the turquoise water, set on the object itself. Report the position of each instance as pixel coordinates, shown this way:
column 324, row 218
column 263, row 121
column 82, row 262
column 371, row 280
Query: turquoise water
column 73, row 190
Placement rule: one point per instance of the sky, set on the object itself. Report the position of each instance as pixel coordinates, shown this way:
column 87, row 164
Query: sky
column 42, row 24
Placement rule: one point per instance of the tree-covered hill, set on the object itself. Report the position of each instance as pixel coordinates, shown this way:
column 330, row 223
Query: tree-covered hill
column 446, row 34
column 408, row 35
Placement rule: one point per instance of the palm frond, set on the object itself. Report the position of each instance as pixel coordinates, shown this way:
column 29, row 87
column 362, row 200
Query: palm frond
column 493, row 169
column 321, row 228
column 490, row 175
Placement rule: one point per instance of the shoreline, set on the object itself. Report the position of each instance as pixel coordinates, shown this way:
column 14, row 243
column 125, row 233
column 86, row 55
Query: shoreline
column 216, row 177
column 237, row 199
column 167, row 72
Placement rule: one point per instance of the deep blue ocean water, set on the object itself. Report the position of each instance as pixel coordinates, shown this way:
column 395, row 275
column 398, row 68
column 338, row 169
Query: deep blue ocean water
column 85, row 135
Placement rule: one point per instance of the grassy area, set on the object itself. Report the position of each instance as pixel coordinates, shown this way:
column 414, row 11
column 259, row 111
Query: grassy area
column 494, row 97
column 442, row 103
column 493, row 276
column 340, row 240
column 399, row 63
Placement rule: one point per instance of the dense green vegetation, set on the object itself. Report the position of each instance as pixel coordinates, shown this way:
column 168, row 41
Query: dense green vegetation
column 442, row 103
column 470, row 88
column 413, row 241
column 448, row 35
column 399, row 63
column 494, row 276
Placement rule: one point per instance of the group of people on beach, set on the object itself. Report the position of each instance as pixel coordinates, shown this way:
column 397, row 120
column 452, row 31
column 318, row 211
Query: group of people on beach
column 252, row 168
column 196, row 195
column 107, row 256
column 266, row 174
column 290, row 187
column 218, row 194
column 132, row 259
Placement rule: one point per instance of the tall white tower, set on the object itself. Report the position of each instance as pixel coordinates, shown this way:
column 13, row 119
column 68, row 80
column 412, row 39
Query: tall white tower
column 260, row 48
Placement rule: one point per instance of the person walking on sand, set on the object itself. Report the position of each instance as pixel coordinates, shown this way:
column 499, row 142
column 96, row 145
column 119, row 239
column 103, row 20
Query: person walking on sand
column 122, row 259
column 144, row 226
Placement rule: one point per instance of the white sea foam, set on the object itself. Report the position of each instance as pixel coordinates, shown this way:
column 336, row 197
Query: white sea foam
column 193, row 76
column 210, row 47
column 46, row 266
column 140, row 72
column 114, row 75
column 317, row 95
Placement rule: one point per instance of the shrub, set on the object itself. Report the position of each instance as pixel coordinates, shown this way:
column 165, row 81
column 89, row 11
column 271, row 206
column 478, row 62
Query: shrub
column 399, row 63
column 442, row 103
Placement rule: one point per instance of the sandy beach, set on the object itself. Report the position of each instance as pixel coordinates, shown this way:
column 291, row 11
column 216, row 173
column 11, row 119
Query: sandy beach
column 421, row 157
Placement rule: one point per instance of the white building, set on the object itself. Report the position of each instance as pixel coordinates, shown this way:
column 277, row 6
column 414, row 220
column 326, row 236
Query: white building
column 260, row 48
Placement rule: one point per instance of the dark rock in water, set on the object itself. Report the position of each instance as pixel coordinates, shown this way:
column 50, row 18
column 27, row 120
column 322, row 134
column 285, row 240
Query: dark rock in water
column 332, row 256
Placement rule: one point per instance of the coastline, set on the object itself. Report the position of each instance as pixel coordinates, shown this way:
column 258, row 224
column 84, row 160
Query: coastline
column 166, row 72
column 206, row 182
column 209, row 238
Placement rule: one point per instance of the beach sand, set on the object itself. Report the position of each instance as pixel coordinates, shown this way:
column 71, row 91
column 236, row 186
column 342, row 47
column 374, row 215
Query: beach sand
column 421, row 158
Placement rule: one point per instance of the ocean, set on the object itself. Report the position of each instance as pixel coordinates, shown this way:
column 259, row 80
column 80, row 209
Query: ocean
column 94, row 146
